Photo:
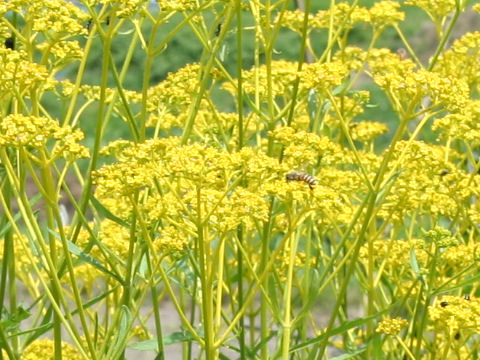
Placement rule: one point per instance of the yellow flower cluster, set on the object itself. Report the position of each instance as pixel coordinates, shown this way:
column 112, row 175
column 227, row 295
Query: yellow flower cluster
column 18, row 130
column 60, row 16
column 92, row 92
column 323, row 76
column 436, row 9
column 391, row 326
column 303, row 149
column 441, row 237
column 177, row 5
column 19, row 75
column 351, row 105
column 283, row 262
column 381, row 14
column 63, row 51
column 366, row 131
column 385, row 13
column 177, row 90
column 44, row 350
column 456, row 313
column 395, row 255
column 171, row 238
column 179, row 183
column 410, row 87
column 122, row 8
column 459, row 60
column 352, row 57
column 283, row 75
column 294, row 20
column 208, row 123
column 422, row 183
column 462, row 125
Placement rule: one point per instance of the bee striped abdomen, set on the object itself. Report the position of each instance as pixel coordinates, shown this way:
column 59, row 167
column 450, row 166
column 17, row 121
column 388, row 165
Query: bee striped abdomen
column 304, row 177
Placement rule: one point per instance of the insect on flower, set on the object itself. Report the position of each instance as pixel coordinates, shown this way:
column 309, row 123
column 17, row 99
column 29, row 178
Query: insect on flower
column 298, row 176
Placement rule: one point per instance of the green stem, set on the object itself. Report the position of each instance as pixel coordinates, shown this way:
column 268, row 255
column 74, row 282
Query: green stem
column 156, row 312
column 8, row 267
column 207, row 304
column 87, row 186
column 444, row 39
column 206, row 68
column 239, row 73
column 53, row 212
column 300, row 61
column 371, row 200
column 57, row 324
column 287, row 299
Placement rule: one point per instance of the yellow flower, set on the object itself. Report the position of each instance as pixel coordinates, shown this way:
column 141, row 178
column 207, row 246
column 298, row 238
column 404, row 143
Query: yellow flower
column 391, row 326
column 63, row 51
column 21, row 75
column 177, row 5
column 366, row 131
column 384, row 13
column 343, row 14
column 59, row 16
column 283, row 74
column 18, row 130
column 44, row 350
column 323, row 76
column 454, row 313
column 436, row 9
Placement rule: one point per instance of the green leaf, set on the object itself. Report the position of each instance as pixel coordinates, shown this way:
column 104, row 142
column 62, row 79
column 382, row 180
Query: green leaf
column 349, row 355
column 12, row 321
column 125, row 321
column 223, row 52
column 386, row 187
column 377, row 347
column 312, row 106
column 18, row 215
column 41, row 329
column 414, row 263
column 46, row 325
column 341, row 88
column 75, row 250
column 257, row 347
column 106, row 213
column 341, row 329
column 122, row 334
column 152, row 344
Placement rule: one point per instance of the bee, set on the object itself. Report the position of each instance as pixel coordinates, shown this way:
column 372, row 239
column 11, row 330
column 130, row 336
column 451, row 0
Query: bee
column 298, row 176
column 402, row 53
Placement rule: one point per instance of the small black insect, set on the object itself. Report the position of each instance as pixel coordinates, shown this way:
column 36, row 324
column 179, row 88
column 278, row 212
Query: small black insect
column 10, row 43
column 444, row 172
column 467, row 297
column 443, row 303
column 298, row 176
column 218, row 29
column 457, row 336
